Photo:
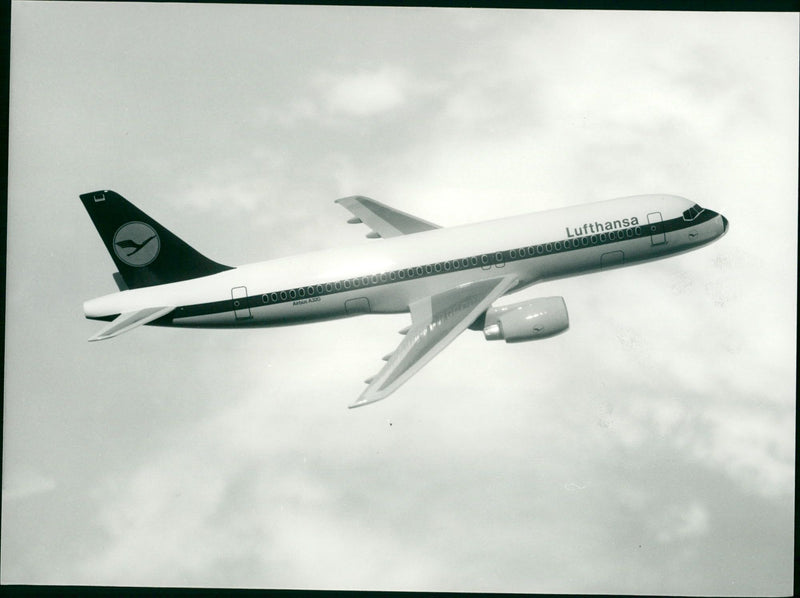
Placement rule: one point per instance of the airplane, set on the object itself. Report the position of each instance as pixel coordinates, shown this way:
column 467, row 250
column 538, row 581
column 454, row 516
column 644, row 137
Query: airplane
column 446, row 278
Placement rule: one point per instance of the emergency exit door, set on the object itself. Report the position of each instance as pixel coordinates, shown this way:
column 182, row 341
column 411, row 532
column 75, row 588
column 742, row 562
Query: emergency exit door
column 656, row 226
column 241, row 309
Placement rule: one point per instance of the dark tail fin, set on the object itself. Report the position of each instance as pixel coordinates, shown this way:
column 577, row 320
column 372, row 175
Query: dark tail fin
column 145, row 252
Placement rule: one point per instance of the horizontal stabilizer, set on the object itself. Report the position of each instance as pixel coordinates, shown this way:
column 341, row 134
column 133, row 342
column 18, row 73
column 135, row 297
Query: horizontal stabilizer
column 131, row 320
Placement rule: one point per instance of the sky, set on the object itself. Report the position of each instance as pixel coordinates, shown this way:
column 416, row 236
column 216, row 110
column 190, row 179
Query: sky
column 648, row 450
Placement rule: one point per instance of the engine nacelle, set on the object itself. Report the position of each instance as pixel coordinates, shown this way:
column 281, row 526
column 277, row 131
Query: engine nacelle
column 526, row 321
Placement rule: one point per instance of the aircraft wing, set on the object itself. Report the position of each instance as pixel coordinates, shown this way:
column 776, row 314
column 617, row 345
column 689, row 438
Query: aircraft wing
column 384, row 221
column 129, row 321
column 435, row 322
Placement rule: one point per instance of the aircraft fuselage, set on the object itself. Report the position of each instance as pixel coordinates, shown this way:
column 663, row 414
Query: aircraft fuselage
column 390, row 275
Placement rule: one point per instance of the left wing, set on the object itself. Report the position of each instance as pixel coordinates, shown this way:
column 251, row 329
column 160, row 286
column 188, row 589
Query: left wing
column 435, row 322
column 384, row 221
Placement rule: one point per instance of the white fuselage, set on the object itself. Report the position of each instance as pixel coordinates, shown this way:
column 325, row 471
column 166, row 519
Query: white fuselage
column 387, row 276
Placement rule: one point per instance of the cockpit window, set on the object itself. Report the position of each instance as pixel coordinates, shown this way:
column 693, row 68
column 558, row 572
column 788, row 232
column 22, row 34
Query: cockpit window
column 692, row 212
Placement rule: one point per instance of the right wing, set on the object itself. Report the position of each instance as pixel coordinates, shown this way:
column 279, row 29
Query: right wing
column 129, row 321
column 384, row 221
column 435, row 322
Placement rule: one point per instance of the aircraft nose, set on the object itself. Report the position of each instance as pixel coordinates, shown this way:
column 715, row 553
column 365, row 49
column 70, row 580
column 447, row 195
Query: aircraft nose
column 724, row 224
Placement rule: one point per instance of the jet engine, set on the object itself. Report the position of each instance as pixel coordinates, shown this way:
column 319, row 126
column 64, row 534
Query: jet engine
column 526, row 321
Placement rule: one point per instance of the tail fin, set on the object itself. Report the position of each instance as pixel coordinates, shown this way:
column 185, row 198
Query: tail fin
column 145, row 252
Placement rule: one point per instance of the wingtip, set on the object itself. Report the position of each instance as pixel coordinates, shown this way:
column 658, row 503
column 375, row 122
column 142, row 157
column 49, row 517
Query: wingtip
column 368, row 397
column 359, row 402
column 353, row 199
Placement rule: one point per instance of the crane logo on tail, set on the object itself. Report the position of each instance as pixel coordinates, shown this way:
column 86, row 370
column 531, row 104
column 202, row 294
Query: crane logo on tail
column 136, row 244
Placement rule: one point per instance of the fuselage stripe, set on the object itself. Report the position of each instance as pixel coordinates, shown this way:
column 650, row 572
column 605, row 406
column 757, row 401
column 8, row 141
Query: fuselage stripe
column 485, row 261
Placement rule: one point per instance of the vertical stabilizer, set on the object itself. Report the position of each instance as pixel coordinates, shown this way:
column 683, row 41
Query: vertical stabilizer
column 144, row 252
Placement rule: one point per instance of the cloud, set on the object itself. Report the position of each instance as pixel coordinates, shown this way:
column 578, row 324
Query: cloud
column 661, row 426
column 683, row 522
column 364, row 93
column 233, row 492
column 25, row 483
column 753, row 443
column 750, row 442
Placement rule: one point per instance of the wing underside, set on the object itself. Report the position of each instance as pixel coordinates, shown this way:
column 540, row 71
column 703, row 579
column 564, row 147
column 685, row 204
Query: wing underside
column 384, row 221
column 436, row 321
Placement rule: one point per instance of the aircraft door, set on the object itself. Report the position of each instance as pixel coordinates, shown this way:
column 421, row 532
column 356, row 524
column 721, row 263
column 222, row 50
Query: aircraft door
column 241, row 309
column 353, row 307
column 612, row 259
column 656, row 226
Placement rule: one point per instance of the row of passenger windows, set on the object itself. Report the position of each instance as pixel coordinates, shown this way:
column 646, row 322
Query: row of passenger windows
column 486, row 261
